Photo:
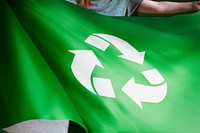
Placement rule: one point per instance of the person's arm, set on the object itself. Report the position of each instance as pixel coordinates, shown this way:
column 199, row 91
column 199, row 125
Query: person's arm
column 152, row 7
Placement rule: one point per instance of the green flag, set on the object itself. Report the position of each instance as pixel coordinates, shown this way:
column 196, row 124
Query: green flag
column 29, row 88
column 109, row 74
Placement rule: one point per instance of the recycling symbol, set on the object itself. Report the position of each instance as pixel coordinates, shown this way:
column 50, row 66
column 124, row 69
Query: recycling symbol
column 85, row 61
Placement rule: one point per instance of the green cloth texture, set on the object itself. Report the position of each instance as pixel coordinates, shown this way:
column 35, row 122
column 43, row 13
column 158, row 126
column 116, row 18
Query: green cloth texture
column 37, row 82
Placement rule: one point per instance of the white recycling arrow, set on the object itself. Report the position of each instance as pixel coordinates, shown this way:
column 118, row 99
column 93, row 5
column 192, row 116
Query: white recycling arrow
column 104, row 87
column 128, row 52
column 83, row 65
column 142, row 93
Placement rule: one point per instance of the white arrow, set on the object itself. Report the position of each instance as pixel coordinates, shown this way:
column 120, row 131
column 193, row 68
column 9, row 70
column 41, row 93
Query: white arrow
column 104, row 87
column 83, row 65
column 128, row 52
column 142, row 93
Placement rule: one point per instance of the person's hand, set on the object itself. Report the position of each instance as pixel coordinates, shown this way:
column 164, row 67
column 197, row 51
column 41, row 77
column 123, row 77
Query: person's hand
column 196, row 5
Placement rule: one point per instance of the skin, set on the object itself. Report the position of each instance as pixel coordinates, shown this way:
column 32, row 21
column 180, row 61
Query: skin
column 85, row 3
column 153, row 7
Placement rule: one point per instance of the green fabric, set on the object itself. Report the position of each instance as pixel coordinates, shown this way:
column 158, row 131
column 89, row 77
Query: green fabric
column 29, row 87
column 37, row 81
